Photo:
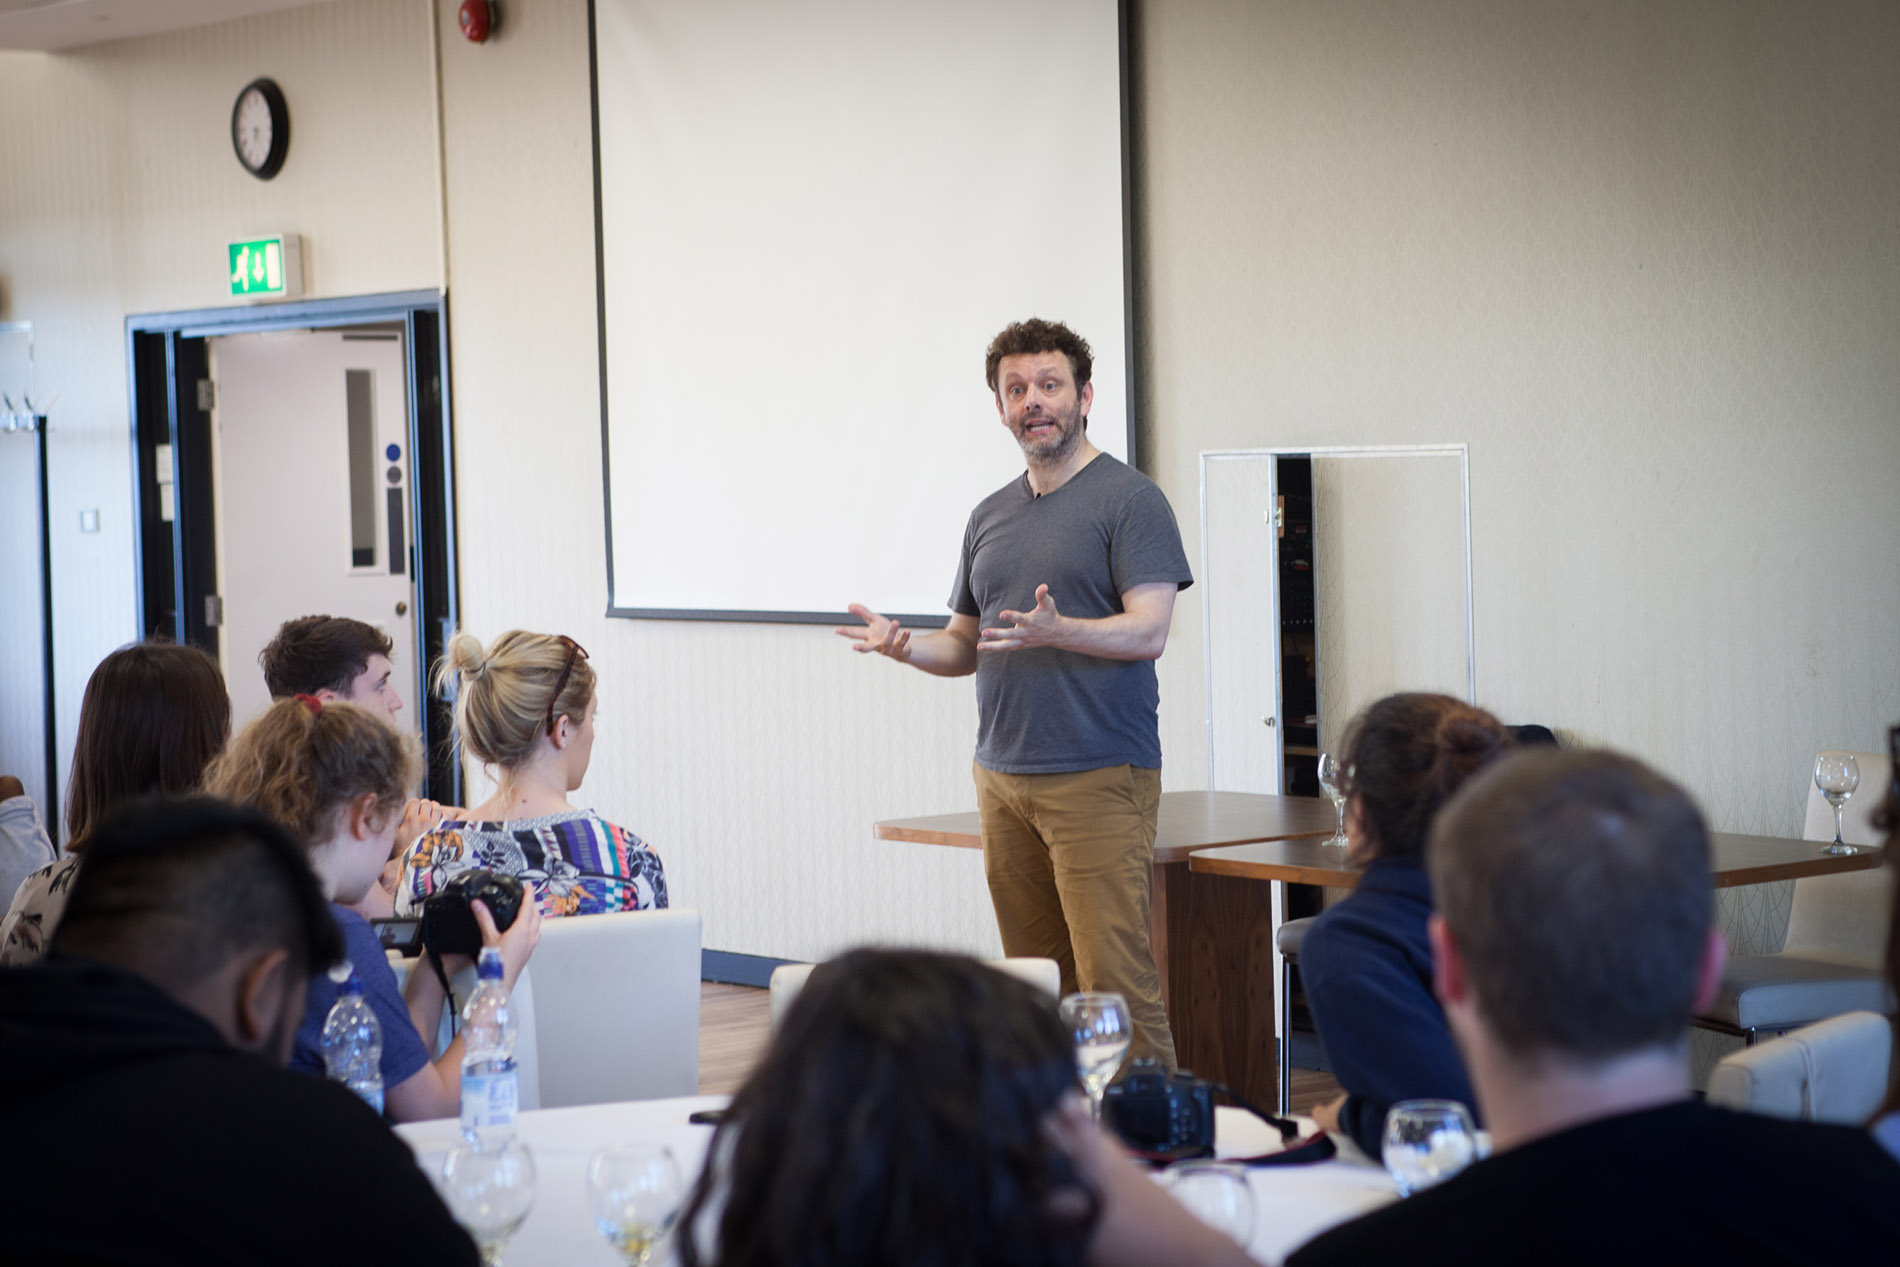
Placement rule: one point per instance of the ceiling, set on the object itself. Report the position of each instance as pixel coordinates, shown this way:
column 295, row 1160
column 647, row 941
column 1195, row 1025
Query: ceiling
column 52, row 25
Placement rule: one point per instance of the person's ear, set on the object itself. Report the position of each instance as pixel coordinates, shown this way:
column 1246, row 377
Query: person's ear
column 264, row 996
column 1449, row 982
column 1708, row 979
column 1084, row 399
column 327, row 695
column 361, row 817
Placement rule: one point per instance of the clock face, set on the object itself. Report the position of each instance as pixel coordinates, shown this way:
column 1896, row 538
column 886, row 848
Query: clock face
column 260, row 128
column 252, row 130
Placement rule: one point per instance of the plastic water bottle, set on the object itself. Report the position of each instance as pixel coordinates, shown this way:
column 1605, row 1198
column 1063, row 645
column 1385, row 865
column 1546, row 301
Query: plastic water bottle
column 353, row 1040
column 490, row 1091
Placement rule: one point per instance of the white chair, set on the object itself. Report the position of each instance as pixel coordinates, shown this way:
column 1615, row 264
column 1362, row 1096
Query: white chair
column 789, row 978
column 616, row 1007
column 1832, row 1071
column 1837, row 933
column 608, row 1009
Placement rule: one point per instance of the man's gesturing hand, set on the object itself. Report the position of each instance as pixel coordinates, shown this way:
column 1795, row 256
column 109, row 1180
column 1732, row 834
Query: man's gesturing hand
column 886, row 637
column 1038, row 627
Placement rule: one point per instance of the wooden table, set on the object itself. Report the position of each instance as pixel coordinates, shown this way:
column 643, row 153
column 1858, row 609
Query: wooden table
column 1248, row 1013
column 1736, row 860
column 1206, row 929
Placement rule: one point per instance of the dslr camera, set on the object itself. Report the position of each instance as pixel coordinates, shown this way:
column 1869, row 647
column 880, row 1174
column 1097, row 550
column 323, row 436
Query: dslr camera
column 448, row 925
column 1164, row 1115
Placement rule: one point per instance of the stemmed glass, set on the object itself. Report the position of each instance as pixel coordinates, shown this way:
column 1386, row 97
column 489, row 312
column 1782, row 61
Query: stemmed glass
column 1332, row 781
column 489, row 1189
column 634, row 1191
column 1427, row 1142
column 1102, row 1029
column 1218, row 1194
column 1837, row 774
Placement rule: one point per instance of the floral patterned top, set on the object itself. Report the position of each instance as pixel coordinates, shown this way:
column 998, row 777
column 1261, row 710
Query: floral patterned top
column 36, row 909
column 580, row 863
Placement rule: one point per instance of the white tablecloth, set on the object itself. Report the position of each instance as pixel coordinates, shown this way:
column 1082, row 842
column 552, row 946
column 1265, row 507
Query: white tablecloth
column 1294, row 1203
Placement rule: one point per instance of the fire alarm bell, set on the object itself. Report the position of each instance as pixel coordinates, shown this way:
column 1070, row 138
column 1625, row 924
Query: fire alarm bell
column 478, row 20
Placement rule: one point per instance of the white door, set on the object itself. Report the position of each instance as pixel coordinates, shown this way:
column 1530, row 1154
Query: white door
column 312, row 475
column 1240, row 604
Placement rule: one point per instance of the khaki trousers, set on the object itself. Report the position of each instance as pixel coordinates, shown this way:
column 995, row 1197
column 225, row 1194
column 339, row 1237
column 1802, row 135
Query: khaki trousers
column 1070, row 862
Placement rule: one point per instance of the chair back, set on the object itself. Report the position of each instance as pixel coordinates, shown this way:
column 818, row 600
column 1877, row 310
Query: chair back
column 789, row 978
column 1832, row 1071
column 1844, row 917
column 616, row 1007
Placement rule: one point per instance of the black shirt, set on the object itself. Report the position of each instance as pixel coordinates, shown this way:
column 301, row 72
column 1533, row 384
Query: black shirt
column 1685, row 1183
column 135, row 1134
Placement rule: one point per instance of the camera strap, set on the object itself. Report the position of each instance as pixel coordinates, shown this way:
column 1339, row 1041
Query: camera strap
column 448, row 994
column 1294, row 1151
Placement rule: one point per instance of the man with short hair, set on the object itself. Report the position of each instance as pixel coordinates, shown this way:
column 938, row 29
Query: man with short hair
column 337, row 658
column 1068, row 753
column 1574, row 938
column 331, row 658
column 149, row 1118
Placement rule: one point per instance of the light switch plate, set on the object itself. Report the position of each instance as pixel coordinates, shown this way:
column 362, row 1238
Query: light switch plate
column 88, row 521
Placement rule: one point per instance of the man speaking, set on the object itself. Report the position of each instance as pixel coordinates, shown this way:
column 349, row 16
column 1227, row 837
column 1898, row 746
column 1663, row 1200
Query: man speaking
column 1064, row 592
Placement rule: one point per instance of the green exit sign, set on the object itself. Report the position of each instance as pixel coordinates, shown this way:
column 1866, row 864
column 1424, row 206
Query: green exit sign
column 266, row 268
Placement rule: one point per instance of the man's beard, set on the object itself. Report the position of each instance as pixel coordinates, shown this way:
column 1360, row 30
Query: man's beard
column 1053, row 449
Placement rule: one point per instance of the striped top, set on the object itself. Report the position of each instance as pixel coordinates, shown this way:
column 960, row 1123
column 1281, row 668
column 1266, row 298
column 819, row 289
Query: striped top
column 580, row 863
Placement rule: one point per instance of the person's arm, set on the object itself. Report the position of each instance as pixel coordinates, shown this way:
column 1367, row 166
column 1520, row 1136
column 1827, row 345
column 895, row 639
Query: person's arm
column 435, row 1090
column 948, row 652
column 1138, row 632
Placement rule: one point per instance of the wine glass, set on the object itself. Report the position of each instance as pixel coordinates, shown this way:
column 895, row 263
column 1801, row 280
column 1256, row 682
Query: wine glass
column 1218, row 1194
column 1102, row 1029
column 1837, row 774
column 1332, row 781
column 489, row 1189
column 1427, row 1142
column 634, row 1191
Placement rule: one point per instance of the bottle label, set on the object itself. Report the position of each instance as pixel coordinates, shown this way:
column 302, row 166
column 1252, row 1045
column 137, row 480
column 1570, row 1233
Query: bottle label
column 489, row 1100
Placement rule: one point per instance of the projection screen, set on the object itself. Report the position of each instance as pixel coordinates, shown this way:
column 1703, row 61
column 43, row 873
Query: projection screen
column 813, row 216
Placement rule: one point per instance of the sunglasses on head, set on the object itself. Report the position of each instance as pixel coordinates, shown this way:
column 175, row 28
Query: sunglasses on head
column 567, row 669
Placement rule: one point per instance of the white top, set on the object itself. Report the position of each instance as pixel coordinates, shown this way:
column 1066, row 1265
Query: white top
column 1293, row 1204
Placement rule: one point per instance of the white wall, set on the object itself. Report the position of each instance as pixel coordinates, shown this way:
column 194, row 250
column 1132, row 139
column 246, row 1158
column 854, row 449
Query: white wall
column 1638, row 256
column 118, row 193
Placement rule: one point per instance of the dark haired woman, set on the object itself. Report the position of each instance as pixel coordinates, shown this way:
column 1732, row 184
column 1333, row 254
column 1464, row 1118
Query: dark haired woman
column 920, row 1107
column 1365, row 963
column 1886, row 1123
column 153, row 716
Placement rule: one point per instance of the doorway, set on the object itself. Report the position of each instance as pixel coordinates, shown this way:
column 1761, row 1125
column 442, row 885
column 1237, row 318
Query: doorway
column 294, row 460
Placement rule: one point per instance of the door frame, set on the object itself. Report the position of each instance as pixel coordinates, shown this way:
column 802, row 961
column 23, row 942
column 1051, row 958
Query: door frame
column 167, row 354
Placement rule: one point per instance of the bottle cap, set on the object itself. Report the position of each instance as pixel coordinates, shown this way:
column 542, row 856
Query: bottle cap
column 340, row 971
column 489, row 968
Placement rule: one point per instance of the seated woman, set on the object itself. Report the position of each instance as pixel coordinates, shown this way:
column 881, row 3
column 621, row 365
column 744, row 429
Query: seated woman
column 337, row 777
column 525, row 707
column 921, row 1107
column 1365, row 963
column 153, row 716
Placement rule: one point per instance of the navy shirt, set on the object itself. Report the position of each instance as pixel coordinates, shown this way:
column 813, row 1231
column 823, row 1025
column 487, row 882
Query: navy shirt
column 1366, row 965
column 403, row 1050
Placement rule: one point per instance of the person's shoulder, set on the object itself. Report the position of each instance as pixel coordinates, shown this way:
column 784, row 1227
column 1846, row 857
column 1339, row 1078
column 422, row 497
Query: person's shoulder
column 1443, row 1224
column 1013, row 494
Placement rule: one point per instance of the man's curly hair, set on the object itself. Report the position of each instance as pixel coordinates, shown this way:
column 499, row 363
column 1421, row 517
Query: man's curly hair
column 1036, row 335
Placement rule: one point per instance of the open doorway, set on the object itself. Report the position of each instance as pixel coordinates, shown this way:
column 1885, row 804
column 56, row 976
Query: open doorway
column 295, row 460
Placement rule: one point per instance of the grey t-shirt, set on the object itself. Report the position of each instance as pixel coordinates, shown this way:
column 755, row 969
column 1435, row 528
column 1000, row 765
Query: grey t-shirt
column 1045, row 711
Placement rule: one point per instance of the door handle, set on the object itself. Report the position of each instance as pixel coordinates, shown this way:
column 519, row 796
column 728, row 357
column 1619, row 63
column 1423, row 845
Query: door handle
column 402, row 609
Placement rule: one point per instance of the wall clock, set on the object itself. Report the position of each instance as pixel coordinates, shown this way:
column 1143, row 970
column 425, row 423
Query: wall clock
column 260, row 128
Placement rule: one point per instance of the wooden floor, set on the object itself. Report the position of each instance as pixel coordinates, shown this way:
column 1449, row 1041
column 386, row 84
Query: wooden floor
column 735, row 1022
